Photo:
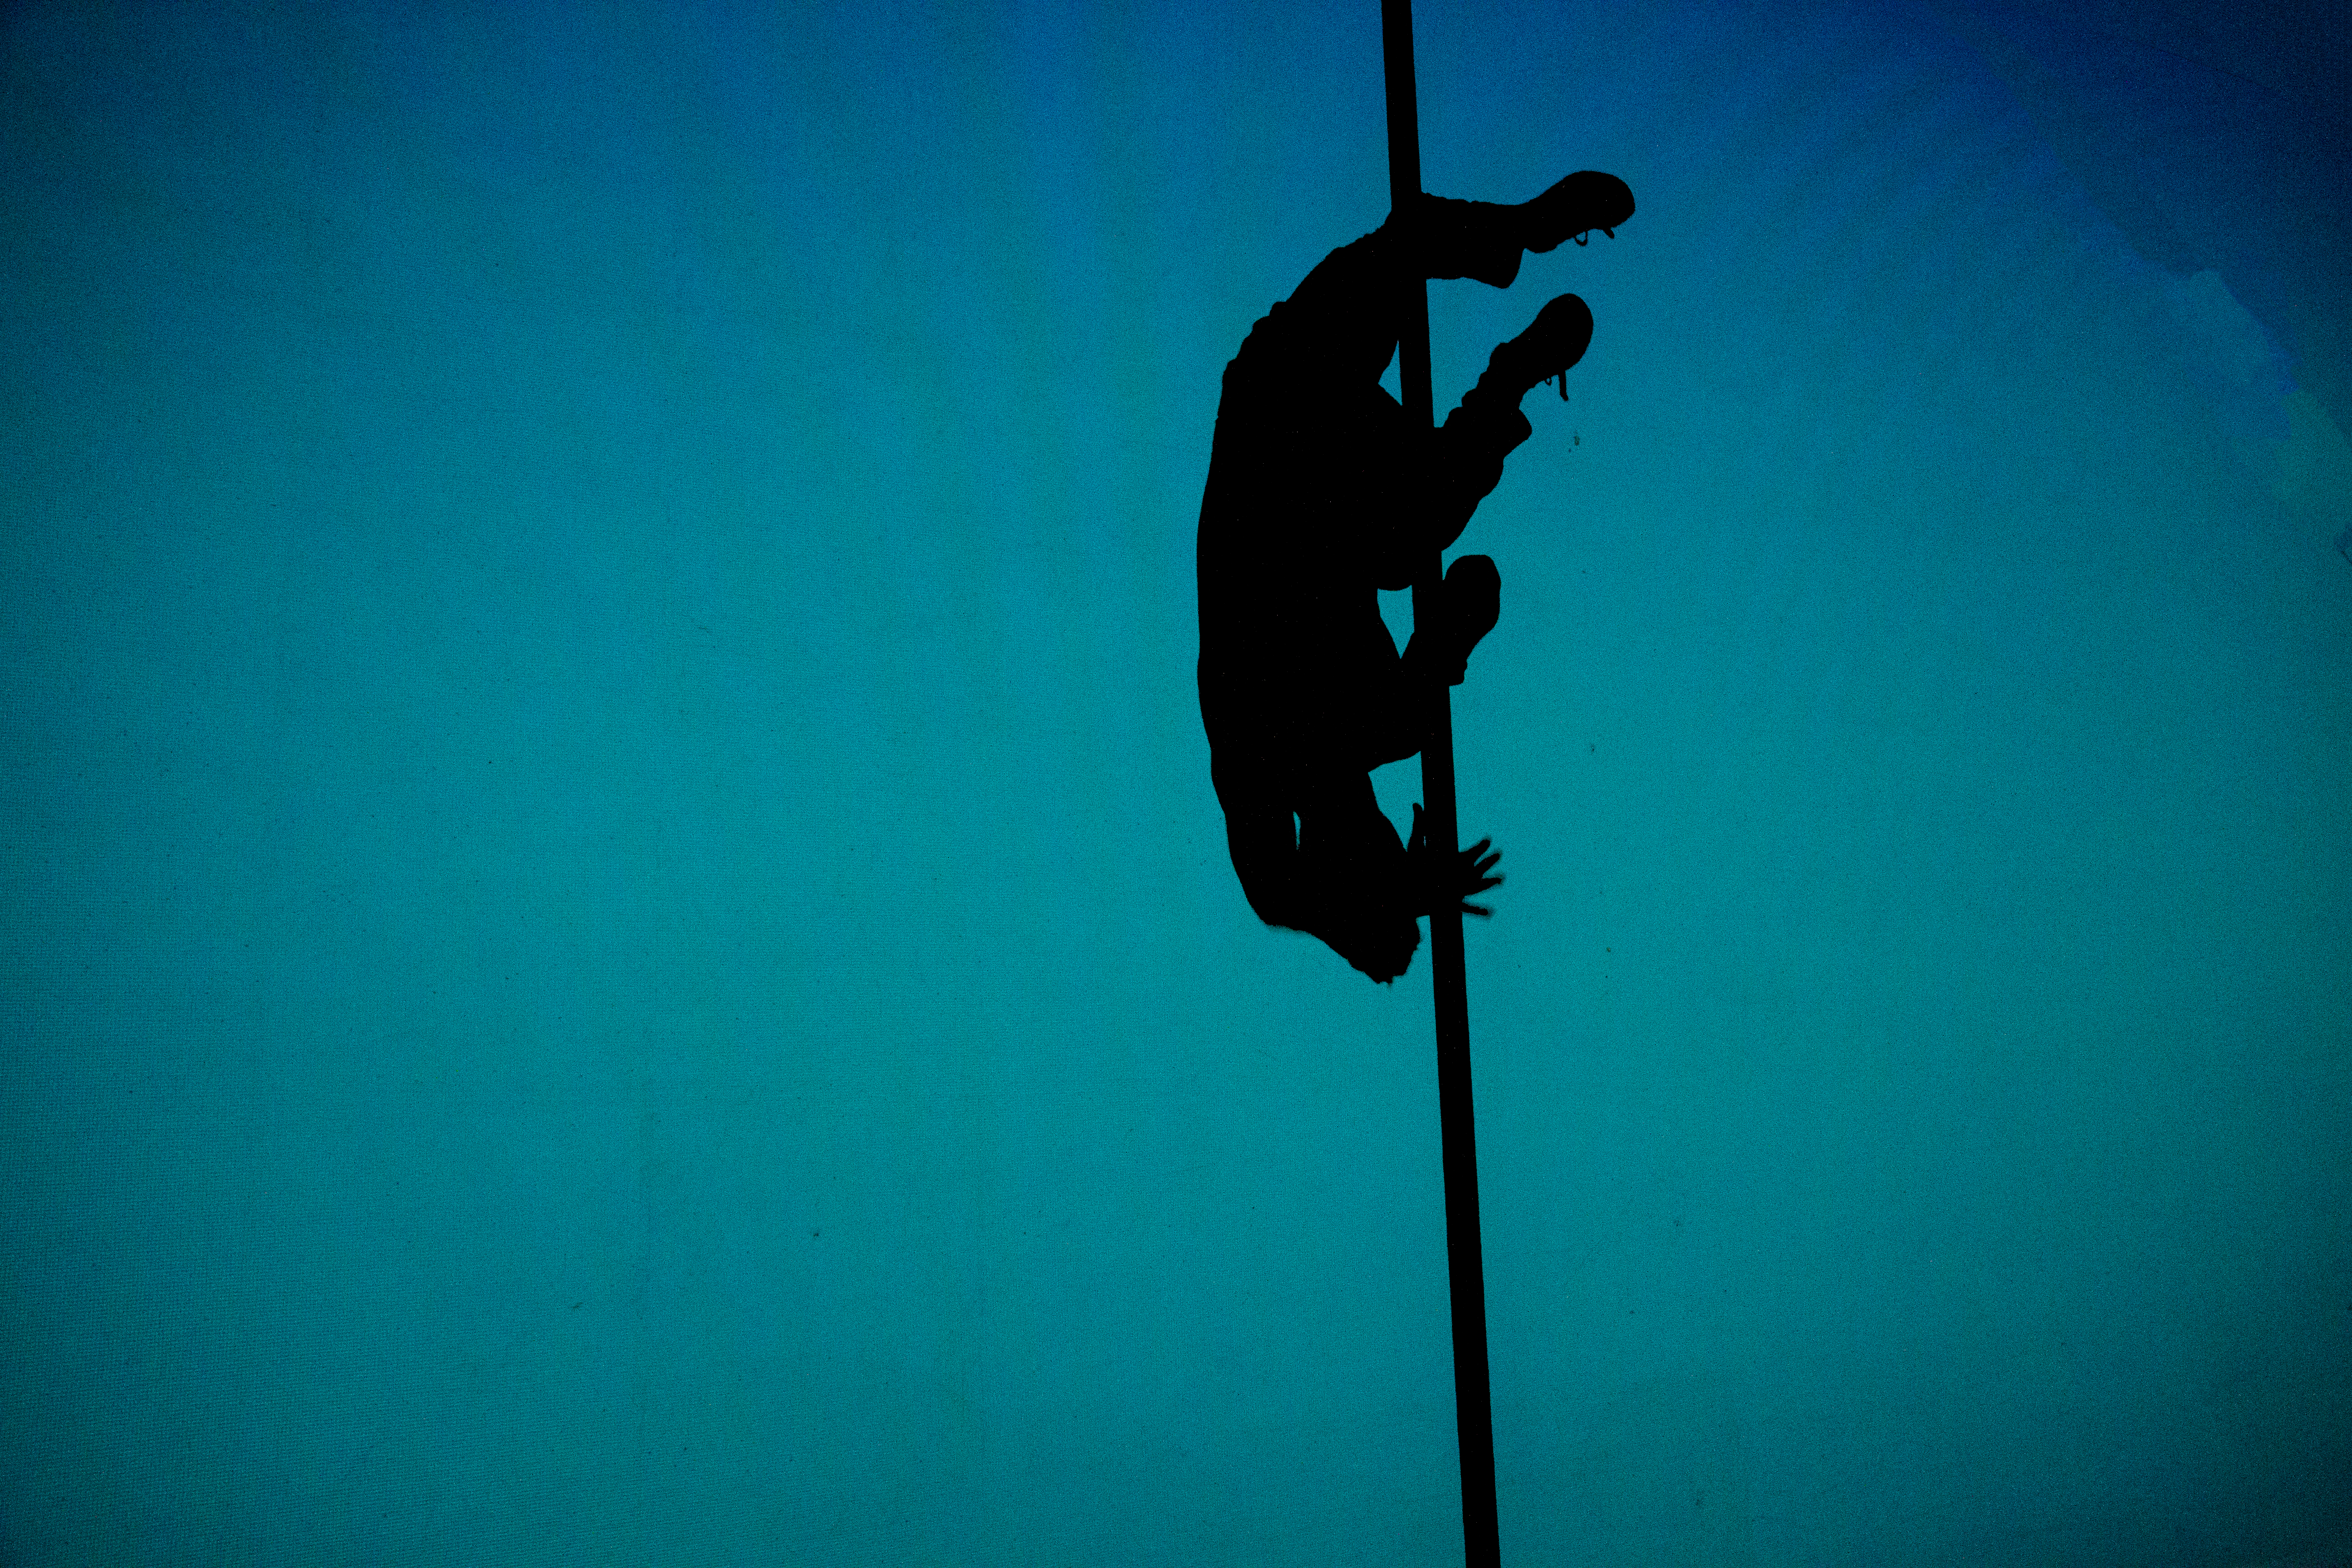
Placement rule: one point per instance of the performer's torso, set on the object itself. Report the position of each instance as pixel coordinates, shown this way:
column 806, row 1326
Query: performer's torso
column 1308, row 496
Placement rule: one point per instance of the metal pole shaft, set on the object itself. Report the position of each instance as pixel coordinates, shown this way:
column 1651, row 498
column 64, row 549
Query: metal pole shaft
column 1465, row 1269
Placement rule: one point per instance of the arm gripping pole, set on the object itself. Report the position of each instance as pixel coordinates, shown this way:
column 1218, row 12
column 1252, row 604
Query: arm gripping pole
column 1472, row 1404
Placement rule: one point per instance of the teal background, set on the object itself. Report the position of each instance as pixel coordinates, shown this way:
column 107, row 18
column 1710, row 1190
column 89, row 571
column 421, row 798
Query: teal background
column 617, row 944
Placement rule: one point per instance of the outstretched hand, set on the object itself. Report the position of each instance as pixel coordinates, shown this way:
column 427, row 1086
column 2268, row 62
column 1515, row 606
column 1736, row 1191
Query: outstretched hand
column 1435, row 883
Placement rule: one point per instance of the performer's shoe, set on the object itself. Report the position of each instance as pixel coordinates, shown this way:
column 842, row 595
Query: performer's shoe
column 1555, row 341
column 1474, row 599
column 1469, row 604
column 1581, row 203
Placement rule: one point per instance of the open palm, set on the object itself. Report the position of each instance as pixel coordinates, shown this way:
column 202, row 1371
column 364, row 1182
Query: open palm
column 1438, row 879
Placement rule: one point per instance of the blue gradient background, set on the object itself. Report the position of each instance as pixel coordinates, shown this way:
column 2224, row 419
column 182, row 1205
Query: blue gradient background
column 618, row 948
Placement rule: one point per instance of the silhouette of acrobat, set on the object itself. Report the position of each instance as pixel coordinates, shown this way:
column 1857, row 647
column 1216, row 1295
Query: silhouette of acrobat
column 1320, row 492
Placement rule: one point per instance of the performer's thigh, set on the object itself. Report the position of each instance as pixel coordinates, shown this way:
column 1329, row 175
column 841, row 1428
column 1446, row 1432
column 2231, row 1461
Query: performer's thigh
column 1340, row 322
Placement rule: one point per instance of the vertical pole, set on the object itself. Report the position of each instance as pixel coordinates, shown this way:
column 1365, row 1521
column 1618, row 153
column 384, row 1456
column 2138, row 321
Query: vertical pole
column 1472, row 1406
